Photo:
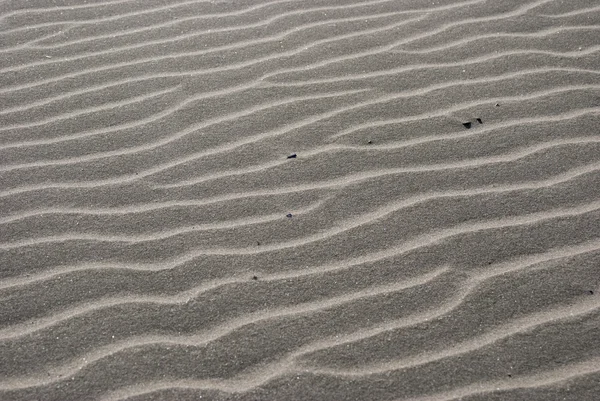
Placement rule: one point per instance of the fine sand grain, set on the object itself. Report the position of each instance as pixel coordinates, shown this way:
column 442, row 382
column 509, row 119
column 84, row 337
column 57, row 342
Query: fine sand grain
column 320, row 200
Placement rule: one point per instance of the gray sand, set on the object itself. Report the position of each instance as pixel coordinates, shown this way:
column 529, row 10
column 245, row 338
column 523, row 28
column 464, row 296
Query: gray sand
column 436, row 237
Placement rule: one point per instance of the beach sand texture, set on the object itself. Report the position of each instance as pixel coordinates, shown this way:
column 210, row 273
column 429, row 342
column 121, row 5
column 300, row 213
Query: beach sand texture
column 300, row 200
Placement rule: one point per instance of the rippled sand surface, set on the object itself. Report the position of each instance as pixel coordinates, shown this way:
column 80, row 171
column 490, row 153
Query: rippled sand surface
column 299, row 200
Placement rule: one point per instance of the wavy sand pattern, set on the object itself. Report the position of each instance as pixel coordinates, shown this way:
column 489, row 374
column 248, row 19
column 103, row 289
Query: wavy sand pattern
column 436, row 237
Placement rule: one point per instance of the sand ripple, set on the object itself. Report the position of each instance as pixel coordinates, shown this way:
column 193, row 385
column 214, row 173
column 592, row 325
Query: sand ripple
column 436, row 236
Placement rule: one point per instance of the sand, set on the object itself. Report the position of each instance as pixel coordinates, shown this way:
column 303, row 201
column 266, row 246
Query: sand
column 435, row 237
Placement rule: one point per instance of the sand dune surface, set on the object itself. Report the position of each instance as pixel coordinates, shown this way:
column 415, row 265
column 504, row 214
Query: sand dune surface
column 300, row 200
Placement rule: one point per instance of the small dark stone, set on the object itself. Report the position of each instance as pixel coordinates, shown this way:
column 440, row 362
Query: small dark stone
column 258, row 243
column 370, row 142
column 254, row 278
column 509, row 375
column 479, row 121
column 591, row 292
column 497, row 104
column 292, row 156
column 289, row 215
column 467, row 125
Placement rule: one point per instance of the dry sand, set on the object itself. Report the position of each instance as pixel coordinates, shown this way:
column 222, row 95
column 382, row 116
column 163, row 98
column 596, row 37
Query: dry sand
column 436, row 237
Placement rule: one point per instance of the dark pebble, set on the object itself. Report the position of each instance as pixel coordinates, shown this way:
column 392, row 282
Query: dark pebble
column 292, row 156
column 289, row 215
column 467, row 125
column 254, row 278
column 479, row 121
